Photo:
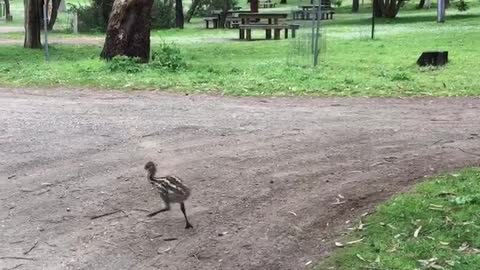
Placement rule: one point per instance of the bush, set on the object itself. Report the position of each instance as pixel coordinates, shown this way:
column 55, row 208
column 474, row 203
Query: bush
column 206, row 7
column 462, row 5
column 125, row 64
column 338, row 3
column 168, row 57
column 90, row 18
column 163, row 15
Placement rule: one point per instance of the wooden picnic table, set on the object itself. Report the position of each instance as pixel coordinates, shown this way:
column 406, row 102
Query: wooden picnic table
column 247, row 18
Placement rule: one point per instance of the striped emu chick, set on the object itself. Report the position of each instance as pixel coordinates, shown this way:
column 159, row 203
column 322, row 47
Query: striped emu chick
column 171, row 189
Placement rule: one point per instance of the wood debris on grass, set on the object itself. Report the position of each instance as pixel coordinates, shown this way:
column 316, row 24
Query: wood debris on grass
column 417, row 231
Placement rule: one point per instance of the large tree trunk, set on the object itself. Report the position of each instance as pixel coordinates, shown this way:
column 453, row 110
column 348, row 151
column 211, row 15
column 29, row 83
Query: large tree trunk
column 179, row 20
column 53, row 15
column 128, row 31
column 355, row 5
column 8, row 15
column 192, row 10
column 283, row 2
column 32, row 24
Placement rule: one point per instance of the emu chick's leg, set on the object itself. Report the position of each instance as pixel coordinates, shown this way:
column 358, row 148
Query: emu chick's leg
column 187, row 225
column 167, row 208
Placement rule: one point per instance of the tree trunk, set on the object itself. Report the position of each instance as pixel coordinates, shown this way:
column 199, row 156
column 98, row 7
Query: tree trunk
column 7, row 7
column 192, row 10
column 32, row 24
column 388, row 8
column 227, row 5
column 355, row 6
column 421, row 4
column 377, row 8
column 53, row 15
column 283, row 2
column 128, row 31
column 179, row 20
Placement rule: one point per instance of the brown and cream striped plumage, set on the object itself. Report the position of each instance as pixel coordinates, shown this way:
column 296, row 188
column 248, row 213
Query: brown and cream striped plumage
column 171, row 190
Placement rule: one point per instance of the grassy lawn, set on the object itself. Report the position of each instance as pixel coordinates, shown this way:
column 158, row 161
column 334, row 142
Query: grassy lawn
column 436, row 226
column 351, row 65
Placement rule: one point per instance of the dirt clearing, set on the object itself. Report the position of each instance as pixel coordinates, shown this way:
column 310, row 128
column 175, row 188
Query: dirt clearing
column 266, row 174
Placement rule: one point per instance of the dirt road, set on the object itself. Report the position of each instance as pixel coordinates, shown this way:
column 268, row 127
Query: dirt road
column 264, row 174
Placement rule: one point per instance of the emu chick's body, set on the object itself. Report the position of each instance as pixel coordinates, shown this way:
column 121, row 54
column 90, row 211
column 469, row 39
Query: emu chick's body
column 171, row 190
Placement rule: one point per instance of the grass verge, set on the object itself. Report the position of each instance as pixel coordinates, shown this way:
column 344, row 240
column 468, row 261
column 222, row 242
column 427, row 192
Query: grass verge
column 436, row 226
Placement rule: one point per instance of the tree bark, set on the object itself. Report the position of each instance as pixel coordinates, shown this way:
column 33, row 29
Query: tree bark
column 32, row 24
column 128, row 31
column 179, row 20
column 284, row 2
column 421, row 4
column 192, row 10
column 355, row 6
column 53, row 15
column 7, row 7
column 377, row 9
column 387, row 8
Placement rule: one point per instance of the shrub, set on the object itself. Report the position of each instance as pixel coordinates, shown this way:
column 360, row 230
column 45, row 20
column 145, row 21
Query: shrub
column 462, row 5
column 163, row 15
column 168, row 57
column 90, row 18
column 338, row 3
column 206, row 7
column 125, row 64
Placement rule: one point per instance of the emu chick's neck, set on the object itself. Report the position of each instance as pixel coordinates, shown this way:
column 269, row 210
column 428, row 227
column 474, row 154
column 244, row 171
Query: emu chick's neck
column 151, row 173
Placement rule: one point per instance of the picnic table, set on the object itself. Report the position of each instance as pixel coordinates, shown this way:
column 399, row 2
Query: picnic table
column 271, row 21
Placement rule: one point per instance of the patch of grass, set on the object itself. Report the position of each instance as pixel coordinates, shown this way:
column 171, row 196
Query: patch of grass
column 436, row 226
column 352, row 65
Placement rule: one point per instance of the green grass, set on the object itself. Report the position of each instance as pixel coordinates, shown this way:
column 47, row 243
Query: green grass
column 445, row 213
column 352, row 65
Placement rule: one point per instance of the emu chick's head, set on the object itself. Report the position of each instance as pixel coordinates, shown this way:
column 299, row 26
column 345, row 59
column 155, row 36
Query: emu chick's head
column 150, row 167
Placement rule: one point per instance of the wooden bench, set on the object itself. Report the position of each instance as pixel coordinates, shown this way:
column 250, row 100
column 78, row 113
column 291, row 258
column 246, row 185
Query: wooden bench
column 245, row 30
column 213, row 20
column 267, row 4
column 309, row 14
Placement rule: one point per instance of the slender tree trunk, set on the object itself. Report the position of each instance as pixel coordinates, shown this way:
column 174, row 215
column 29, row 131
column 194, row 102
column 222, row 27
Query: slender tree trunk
column 32, row 24
column 284, row 2
column 53, row 15
column 179, row 20
column 421, row 4
column 128, row 31
column 227, row 5
column 192, row 10
column 355, row 5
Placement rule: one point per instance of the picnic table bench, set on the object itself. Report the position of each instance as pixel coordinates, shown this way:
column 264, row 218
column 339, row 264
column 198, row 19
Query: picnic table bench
column 247, row 29
column 274, row 21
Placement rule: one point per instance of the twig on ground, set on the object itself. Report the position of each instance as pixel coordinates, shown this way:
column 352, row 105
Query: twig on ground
column 15, row 267
column 30, row 249
column 17, row 258
column 106, row 214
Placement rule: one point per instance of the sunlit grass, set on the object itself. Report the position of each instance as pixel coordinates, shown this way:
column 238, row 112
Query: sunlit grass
column 436, row 226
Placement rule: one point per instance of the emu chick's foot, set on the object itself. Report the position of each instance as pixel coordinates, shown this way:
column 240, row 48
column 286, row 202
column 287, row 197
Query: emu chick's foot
column 188, row 226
